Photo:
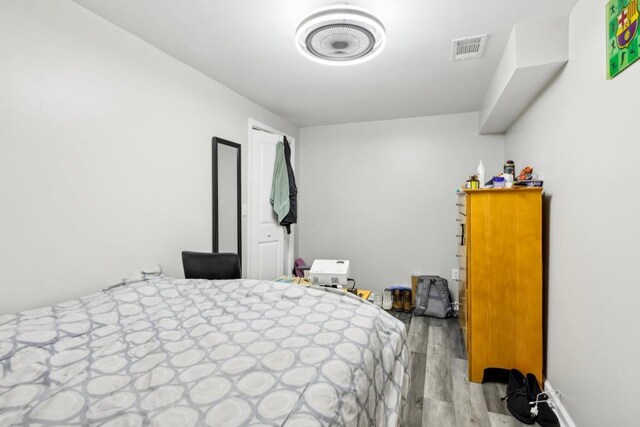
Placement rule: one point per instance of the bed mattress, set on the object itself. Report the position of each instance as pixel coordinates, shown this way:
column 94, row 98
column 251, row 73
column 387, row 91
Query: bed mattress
column 197, row 352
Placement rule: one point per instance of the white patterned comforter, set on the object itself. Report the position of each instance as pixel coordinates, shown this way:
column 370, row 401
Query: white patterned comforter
column 196, row 352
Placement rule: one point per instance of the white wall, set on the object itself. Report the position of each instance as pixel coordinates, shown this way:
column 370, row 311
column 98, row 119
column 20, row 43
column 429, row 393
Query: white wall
column 105, row 153
column 582, row 135
column 382, row 194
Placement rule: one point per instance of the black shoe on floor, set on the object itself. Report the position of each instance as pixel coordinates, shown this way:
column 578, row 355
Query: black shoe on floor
column 546, row 417
column 518, row 398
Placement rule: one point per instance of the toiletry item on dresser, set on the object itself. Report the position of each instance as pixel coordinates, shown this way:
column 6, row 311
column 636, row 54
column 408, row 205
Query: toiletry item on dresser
column 508, row 180
column 472, row 183
column 510, row 167
column 525, row 174
column 480, row 175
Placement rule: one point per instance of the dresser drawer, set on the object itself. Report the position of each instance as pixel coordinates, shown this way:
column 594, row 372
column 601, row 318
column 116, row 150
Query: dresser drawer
column 461, row 234
column 462, row 215
column 462, row 313
column 464, row 337
column 462, row 273
column 462, row 208
column 462, row 300
column 462, row 202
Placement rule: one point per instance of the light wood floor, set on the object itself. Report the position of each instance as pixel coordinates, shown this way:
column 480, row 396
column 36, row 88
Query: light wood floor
column 440, row 394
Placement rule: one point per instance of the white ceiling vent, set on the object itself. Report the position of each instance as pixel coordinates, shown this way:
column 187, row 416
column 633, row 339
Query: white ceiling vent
column 468, row 48
column 340, row 35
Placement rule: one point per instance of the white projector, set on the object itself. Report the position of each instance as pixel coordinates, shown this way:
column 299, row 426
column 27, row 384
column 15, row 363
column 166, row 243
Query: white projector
column 329, row 272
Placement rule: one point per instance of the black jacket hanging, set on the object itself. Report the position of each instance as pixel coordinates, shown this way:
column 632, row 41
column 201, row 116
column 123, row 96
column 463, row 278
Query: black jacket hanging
column 292, row 216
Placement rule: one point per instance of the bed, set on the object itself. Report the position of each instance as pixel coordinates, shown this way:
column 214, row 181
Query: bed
column 197, row 352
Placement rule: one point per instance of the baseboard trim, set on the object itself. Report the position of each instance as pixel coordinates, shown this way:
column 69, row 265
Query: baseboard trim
column 559, row 409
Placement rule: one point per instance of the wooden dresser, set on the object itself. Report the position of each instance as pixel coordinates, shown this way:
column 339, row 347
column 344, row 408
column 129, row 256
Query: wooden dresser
column 500, row 261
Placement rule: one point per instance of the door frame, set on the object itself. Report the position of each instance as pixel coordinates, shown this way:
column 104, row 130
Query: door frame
column 289, row 251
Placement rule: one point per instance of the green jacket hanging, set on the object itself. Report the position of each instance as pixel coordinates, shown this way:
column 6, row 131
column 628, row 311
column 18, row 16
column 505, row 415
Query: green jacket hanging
column 280, row 184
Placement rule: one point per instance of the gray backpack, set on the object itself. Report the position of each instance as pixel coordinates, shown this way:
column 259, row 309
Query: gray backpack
column 433, row 298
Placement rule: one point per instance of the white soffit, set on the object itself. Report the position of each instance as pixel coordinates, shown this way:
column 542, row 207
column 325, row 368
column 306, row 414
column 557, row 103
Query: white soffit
column 535, row 53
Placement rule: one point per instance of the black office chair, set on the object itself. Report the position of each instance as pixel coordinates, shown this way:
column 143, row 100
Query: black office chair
column 199, row 265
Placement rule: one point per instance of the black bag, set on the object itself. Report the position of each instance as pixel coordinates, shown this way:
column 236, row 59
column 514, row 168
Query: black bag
column 292, row 215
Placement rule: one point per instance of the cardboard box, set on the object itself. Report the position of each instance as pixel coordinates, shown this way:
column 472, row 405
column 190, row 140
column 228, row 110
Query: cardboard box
column 414, row 287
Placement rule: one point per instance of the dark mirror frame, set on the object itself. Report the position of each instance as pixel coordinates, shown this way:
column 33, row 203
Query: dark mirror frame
column 214, row 167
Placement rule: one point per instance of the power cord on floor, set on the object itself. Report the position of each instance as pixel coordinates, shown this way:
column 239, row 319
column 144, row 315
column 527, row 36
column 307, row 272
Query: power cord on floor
column 548, row 397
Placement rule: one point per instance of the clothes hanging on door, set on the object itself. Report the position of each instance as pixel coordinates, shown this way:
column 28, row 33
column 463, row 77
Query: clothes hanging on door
column 280, row 184
column 292, row 215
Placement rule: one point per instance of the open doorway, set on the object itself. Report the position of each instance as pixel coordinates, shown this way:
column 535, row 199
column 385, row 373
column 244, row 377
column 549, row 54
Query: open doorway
column 270, row 249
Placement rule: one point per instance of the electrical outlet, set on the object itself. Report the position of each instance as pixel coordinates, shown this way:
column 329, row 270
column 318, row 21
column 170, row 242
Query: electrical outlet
column 455, row 274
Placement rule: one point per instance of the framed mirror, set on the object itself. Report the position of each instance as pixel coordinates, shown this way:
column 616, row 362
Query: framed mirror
column 227, row 220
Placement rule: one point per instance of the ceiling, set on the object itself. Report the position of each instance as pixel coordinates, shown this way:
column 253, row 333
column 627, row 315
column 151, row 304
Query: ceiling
column 248, row 45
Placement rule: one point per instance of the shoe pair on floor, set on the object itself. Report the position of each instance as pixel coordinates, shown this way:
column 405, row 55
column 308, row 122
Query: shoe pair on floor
column 397, row 299
column 527, row 402
column 402, row 300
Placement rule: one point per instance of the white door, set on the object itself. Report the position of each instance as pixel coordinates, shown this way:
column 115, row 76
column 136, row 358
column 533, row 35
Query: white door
column 270, row 249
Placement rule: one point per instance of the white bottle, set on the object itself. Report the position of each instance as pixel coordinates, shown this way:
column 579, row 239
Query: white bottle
column 480, row 172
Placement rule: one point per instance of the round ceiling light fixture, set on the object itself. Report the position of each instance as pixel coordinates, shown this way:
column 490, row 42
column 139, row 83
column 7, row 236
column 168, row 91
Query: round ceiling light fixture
column 340, row 35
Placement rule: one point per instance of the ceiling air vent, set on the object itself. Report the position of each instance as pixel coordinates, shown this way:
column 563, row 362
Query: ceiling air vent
column 468, row 48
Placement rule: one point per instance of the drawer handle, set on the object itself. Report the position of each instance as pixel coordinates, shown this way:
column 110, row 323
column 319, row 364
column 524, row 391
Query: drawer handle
column 458, row 256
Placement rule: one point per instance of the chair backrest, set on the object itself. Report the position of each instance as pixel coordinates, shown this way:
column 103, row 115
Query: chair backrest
column 199, row 265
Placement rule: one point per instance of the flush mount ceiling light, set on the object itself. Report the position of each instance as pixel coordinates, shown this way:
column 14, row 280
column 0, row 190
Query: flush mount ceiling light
column 340, row 35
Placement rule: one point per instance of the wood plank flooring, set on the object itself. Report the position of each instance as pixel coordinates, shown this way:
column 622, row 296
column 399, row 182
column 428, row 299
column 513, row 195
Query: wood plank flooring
column 440, row 394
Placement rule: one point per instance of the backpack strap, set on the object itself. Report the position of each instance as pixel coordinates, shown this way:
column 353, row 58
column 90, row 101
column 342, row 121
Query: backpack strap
column 431, row 282
column 422, row 297
column 445, row 295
